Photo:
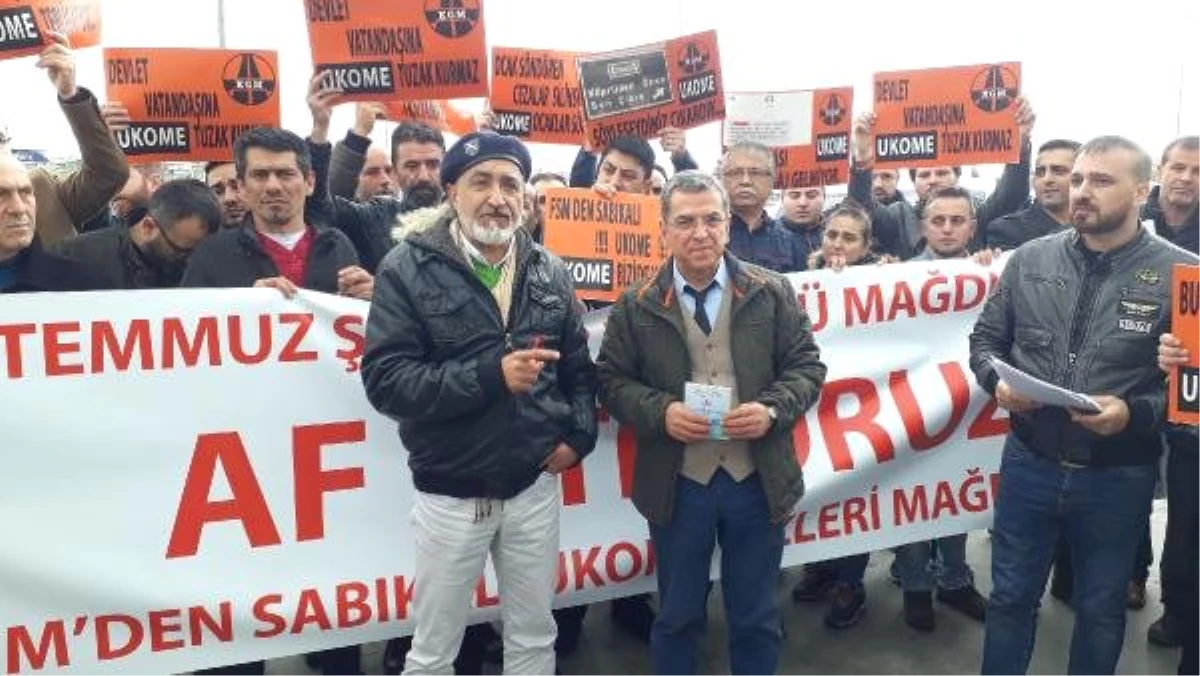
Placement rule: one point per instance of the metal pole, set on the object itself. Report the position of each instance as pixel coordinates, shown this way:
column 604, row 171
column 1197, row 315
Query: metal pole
column 1179, row 101
column 221, row 23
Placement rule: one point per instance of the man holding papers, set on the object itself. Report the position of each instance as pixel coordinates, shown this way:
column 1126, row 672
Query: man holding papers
column 1081, row 310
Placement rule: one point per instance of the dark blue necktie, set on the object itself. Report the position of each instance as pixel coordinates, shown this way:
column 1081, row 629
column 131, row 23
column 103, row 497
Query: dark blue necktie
column 701, row 314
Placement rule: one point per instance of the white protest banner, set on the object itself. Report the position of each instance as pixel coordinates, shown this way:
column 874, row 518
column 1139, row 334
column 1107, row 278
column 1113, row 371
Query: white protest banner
column 195, row 478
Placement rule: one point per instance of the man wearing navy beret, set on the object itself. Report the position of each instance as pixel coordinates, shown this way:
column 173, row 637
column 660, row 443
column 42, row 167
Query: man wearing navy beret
column 476, row 348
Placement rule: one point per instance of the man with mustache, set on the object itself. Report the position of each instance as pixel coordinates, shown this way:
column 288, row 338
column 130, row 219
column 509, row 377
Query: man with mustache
column 476, row 348
column 747, row 173
column 416, row 157
column 276, row 247
column 1082, row 309
column 417, row 153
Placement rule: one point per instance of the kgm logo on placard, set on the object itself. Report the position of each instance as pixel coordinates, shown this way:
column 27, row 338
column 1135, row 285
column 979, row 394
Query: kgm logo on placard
column 452, row 18
column 249, row 79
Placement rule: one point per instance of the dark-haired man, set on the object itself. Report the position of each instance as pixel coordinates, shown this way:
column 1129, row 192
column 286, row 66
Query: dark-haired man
column 416, row 158
column 222, row 180
column 672, row 139
column 1050, row 211
column 417, row 152
column 1061, row 313
column 152, row 251
column 802, row 213
column 276, row 248
column 898, row 226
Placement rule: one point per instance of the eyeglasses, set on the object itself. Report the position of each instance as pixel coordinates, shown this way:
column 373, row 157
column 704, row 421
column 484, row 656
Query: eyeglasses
column 180, row 252
column 690, row 225
column 754, row 173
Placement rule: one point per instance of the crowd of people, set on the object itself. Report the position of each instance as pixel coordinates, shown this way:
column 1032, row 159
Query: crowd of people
column 475, row 346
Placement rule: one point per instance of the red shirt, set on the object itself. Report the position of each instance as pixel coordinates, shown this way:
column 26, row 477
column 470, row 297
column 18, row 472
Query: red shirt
column 291, row 263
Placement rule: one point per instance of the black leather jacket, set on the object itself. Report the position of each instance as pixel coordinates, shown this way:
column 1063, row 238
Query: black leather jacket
column 1089, row 323
column 435, row 340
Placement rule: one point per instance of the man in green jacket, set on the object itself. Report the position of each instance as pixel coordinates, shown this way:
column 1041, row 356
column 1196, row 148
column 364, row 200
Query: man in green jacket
column 712, row 363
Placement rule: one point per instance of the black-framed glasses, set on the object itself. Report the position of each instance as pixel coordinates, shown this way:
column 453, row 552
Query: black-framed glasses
column 179, row 251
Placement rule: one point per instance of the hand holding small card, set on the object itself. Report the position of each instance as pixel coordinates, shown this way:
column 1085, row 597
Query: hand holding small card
column 710, row 401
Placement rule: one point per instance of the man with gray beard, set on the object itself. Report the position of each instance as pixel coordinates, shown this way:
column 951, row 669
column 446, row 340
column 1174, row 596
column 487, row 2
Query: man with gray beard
column 476, row 348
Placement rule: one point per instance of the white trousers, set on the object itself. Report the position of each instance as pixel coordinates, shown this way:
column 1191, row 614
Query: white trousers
column 453, row 538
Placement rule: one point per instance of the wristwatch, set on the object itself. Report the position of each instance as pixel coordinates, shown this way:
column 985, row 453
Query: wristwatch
column 773, row 415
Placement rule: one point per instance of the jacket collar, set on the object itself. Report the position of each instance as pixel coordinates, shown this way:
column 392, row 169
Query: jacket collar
column 40, row 270
column 437, row 240
column 766, row 223
column 135, row 261
column 248, row 235
column 1079, row 250
column 1038, row 211
column 659, row 293
column 1152, row 211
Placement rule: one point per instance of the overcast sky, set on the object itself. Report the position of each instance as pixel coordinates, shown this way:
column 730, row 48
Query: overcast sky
column 1131, row 70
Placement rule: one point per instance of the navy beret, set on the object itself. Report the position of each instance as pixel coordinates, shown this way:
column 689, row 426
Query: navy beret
column 481, row 146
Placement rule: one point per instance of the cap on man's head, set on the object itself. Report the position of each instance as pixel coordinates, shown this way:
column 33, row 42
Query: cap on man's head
column 482, row 146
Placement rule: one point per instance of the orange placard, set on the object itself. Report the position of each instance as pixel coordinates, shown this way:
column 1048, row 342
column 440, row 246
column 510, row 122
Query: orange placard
column 24, row 24
column 608, row 244
column 1184, row 387
column 639, row 91
column 809, row 131
column 411, row 50
column 441, row 115
column 536, row 95
column 191, row 104
column 947, row 116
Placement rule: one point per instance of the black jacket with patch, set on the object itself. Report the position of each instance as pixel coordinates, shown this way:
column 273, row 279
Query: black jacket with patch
column 1089, row 323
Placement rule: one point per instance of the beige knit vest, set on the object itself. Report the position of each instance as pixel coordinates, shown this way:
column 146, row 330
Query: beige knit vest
column 712, row 364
